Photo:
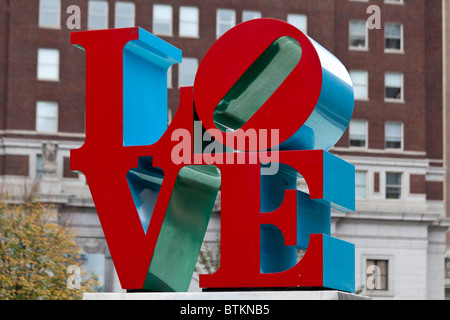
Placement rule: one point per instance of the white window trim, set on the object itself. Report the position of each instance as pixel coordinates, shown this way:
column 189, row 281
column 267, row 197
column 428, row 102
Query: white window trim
column 401, row 149
column 106, row 15
column 120, row 15
column 401, row 2
column 402, row 42
column 179, row 72
column 48, row 26
column 166, row 34
column 402, row 98
column 402, row 185
column 299, row 15
column 197, row 36
column 367, row 84
column 169, row 116
column 366, row 48
column 170, row 77
column 365, row 186
column 38, row 171
column 233, row 22
column 251, row 11
column 57, row 79
column 378, row 293
column 366, row 135
column 56, row 119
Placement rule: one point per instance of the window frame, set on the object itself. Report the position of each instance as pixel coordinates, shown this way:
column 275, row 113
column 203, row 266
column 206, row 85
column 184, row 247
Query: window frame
column 402, row 87
column 56, row 11
column 118, row 15
column 257, row 14
column 400, row 186
column 385, row 283
column 39, row 172
column 366, row 84
column 170, row 77
column 231, row 24
column 394, row 1
column 180, row 70
column 95, row 14
column 41, row 64
column 366, row 134
column 181, row 21
column 364, row 173
column 365, row 257
column 386, row 136
column 391, row 50
column 55, row 118
column 366, row 36
column 291, row 16
column 169, row 22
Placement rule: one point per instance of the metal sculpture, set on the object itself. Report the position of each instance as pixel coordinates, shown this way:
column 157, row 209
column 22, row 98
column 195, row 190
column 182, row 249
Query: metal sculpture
column 265, row 77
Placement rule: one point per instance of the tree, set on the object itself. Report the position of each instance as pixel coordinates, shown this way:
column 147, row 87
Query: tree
column 209, row 258
column 35, row 253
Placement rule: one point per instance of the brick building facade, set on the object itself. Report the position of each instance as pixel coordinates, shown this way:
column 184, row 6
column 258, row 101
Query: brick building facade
column 395, row 140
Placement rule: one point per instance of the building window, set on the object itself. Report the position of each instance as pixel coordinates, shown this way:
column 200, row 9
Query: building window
column 39, row 166
column 250, row 15
column 360, row 184
column 358, row 133
column 360, row 81
column 393, row 33
column 358, row 35
column 299, row 21
column 169, row 116
column 50, row 14
column 125, row 15
column 393, row 135
column 169, row 78
column 46, row 116
column 48, row 64
column 189, row 20
column 377, row 274
column 95, row 263
column 186, row 72
column 162, row 19
column 393, row 86
column 97, row 14
column 393, row 185
column 225, row 20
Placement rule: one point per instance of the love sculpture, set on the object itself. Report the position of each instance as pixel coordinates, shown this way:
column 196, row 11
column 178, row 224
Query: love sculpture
column 154, row 186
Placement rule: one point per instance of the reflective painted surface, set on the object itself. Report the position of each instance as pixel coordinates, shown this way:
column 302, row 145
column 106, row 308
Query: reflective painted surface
column 263, row 74
column 333, row 111
column 145, row 65
column 183, row 229
column 257, row 84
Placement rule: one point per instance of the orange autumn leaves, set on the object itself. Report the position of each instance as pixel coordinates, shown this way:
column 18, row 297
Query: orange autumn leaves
column 35, row 252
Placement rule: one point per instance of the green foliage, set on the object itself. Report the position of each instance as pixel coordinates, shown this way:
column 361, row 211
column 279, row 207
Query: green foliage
column 35, row 252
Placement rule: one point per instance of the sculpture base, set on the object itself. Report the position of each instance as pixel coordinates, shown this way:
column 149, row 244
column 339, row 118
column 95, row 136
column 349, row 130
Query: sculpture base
column 228, row 295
